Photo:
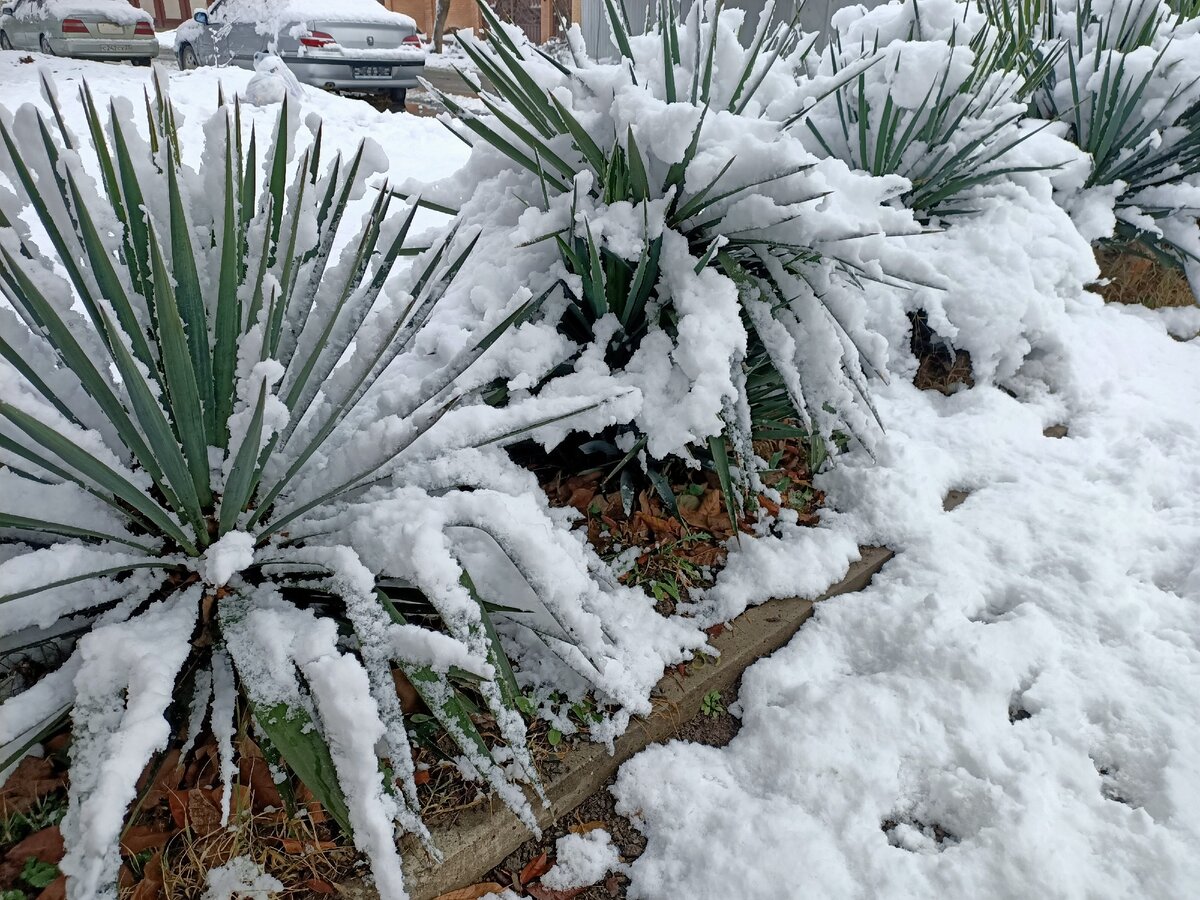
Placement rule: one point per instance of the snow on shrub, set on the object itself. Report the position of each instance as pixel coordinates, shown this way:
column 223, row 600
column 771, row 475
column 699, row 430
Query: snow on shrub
column 233, row 472
column 939, row 97
column 1127, row 87
column 687, row 242
column 944, row 102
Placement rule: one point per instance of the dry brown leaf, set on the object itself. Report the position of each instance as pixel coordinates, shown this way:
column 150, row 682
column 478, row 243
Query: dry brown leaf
column 541, row 892
column 410, row 700
column 535, row 868
column 581, row 498
column 196, row 807
column 151, row 885
column 31, row 780
column 585, row 827
column 663, row 528
column 46, row 845
column 316, row 812
column 421, row 776
column 204, row 810
column 177, row 803
column 55, row 890
column 473, row 892
column 142, row 837
column 319, row 886
column 165, row 779
column 254, row 771
column 768, row 504
column 303, row 848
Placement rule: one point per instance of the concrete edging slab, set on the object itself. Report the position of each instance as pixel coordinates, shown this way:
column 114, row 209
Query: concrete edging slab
column 483, row 837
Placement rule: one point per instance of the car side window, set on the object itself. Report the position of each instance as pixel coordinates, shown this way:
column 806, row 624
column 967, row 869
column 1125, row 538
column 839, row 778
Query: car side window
column 217, row 10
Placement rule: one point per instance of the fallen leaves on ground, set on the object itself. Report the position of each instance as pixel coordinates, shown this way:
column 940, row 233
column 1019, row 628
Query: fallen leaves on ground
column 585, row 827
column 472, row 892
column 535, row 868
column 55, row 890
column 151, row 885
column 33, row 779
column 541, row 892
column 45, row 846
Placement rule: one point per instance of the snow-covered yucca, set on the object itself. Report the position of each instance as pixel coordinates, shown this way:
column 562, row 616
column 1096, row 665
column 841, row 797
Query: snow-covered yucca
column 939, row 97
column 1128, row 88
column 696, row 242
column 218, row 495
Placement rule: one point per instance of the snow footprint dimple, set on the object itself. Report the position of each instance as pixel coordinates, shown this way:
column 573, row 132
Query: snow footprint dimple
column 954, row 499
column 1018, row 705
column 907, row 832
column 998, row 606
column 1111, row 783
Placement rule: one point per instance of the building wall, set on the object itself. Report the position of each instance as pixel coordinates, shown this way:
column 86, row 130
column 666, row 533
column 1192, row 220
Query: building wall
column 463, row 14
column 168, row 13
column 814, row 16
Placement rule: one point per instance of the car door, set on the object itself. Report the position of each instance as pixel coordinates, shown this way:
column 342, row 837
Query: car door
column 231, row 31
column 245, row 39
column 21, row 26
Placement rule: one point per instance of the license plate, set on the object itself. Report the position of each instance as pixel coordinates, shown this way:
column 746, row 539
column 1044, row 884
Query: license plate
column 115, row 48
column 372, row 72
column 110, row 28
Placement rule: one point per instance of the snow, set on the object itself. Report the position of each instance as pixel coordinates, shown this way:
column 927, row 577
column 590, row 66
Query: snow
column 227, row 557
column 1060, row 595
column 117, row 11
column 1007, row 710
column 582, row 859
column 240, row 878
column 273, row 16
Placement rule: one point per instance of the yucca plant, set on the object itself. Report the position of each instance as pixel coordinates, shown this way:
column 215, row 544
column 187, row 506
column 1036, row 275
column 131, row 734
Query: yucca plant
column 1128, row 90
column 949, row 138
column 229, row 482
column 678, row 210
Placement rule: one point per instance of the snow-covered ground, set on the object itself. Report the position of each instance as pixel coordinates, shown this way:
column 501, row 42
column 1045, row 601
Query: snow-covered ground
column 1023, row 675
column 1009, row 709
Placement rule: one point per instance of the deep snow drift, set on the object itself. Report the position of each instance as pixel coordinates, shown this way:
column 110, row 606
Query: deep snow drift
column 1022, row 675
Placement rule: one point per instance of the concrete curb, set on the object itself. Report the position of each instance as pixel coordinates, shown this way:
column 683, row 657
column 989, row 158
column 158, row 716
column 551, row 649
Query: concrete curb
column 483, row 837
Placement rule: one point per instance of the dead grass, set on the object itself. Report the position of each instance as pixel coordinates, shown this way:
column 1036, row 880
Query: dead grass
column 295, row 849
column 1133, row 278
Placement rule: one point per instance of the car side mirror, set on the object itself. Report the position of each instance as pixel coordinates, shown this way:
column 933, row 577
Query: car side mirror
column 200, row 16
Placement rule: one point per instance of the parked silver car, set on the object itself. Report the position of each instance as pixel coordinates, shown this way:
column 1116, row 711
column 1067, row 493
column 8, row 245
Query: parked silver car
column 354, row 45
column 85, row 29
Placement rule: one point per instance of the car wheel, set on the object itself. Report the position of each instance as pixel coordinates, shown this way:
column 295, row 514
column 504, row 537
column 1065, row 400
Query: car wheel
column 44, row 43
column 5, row 43
column 399, row 95
column 187, row 58
column 141, row 61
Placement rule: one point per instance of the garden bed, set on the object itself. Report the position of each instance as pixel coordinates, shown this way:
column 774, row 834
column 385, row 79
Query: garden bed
column 481, row 838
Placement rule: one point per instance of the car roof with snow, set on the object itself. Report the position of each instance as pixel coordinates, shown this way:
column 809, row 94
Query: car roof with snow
column 114, row 10
column 276, row 13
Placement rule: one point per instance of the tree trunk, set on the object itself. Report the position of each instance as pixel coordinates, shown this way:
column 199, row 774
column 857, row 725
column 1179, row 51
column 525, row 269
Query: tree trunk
column 439, row 24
